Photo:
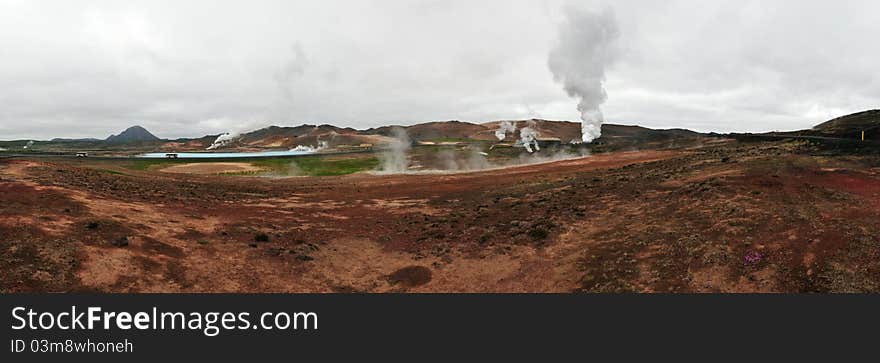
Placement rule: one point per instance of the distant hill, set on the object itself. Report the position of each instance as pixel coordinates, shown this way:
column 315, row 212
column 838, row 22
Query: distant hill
column 565, row 131
column 275, row 136
column 132, row 134
column 851, row 126
column 303, row 135
column 280, row 137
column 433, row 130
column 613, row 136
column 88, row 139
column 646, row 134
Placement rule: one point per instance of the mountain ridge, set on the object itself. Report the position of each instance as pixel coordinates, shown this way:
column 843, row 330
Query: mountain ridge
column 848, row 126
column 132, row 134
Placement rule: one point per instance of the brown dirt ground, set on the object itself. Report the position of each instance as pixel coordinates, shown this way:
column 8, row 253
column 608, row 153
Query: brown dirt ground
column 646, row 221
column 211, row 168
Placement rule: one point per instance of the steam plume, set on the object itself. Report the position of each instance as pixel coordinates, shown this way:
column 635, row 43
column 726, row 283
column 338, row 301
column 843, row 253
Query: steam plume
column 578, row 61
column 529, row 137
column 223, row 140
column 394, row 158
column 503, row 128
column 312, row 149
column 227, row 138
column 472, row 158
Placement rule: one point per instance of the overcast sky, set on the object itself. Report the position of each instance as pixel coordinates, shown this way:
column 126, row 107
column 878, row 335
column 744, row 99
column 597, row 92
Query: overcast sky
column 189, row 68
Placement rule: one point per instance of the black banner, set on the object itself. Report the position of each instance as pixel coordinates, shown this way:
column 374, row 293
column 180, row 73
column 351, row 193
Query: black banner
column 422, row 326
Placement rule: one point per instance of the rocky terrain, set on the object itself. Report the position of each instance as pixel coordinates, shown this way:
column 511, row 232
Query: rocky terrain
column 644, row 211
column 723, row 216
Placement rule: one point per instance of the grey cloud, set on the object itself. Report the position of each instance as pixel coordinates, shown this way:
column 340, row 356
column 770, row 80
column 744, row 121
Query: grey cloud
column 91, row 68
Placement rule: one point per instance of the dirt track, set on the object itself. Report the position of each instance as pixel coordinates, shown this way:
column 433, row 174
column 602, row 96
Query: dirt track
column 727, row 217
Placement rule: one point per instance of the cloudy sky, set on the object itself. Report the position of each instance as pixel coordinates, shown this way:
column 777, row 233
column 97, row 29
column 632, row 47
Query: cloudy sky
column 189, row 68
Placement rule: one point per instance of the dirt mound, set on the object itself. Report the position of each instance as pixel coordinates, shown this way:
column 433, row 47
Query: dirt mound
column 411, row 276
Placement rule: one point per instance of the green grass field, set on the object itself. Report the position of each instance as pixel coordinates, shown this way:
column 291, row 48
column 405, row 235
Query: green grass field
column 147, row 164
column 317, row 165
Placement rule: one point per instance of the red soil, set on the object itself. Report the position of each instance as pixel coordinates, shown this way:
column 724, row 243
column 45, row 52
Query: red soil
column 638, row 221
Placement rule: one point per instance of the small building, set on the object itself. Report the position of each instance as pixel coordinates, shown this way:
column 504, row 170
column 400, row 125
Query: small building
column 82, row 154
column 171, row 155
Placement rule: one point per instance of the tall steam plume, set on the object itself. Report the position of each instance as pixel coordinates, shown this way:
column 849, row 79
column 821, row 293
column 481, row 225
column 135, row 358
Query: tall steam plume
column 394, row 158
column 529, row 137
column 578, row 61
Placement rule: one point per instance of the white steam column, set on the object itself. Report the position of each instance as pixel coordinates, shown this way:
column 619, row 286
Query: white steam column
column 585, row 48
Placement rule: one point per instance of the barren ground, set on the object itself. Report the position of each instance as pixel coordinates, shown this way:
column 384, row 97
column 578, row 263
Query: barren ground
column 725, row 217
column 211, row 168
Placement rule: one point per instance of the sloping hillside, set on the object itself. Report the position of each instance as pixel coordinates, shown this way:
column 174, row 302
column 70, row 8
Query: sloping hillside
column 644, row 133
column 851, row 126
column 432, row 130
column 188, row 144
column 563, row 130
column 303, row 135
